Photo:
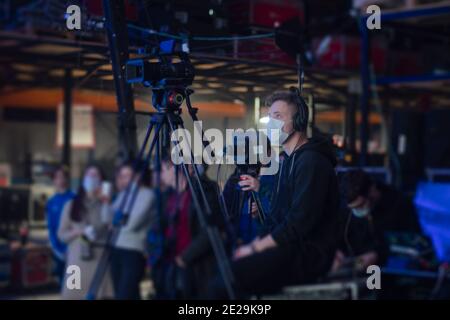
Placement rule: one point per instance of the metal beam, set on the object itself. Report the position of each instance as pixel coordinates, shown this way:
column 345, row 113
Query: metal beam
column 116, row 29
column 67, row 125
column 365, row 94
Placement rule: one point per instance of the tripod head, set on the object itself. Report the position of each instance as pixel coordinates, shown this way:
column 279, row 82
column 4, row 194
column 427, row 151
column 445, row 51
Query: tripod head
column 168, row 100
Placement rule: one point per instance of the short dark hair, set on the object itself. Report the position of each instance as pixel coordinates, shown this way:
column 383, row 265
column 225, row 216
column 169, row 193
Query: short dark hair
column 64, row 169
column 283, row 95
column 357, row 183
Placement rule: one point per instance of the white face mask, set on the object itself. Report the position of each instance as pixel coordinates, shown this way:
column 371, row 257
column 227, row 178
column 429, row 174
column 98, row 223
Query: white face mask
column 90, row 184
column 272, row 126
column 361, row 212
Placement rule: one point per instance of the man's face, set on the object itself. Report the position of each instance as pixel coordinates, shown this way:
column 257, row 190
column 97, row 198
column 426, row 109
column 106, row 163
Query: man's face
column 124, row 178
column 60, row 181
column 281, row 110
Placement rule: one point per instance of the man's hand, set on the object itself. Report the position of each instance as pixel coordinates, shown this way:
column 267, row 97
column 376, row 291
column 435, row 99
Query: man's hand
column 338, row 261
column 258, row 245
column 243, row 251
column 180, row 262
column 365, row 260
column 249, row 183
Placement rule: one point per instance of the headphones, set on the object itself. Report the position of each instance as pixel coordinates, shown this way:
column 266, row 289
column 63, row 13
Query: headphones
column 301, row 117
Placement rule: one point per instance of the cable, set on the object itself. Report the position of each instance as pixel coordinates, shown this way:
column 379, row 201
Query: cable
column 202, row 38
column 232, row 38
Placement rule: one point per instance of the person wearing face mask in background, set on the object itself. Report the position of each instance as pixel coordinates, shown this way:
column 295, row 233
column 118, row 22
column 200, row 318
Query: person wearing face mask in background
column 83, row 230
column 375, row 209
column 300, row 236
column 128, row 253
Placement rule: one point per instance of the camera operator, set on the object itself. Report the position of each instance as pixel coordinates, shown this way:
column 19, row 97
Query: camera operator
column 300, row 240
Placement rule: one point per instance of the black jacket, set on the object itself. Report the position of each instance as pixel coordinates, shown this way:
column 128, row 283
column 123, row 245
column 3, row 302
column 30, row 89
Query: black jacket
column 304, row 214
column 200, row 245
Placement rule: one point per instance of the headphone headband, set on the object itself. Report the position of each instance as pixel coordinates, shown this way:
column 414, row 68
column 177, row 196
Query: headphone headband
column 302, row 115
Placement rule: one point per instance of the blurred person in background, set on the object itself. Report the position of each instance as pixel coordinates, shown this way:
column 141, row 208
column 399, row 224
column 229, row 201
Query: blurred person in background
column 375, row 209
column 155, row 237
column 54, row 210
column 187, row 254
column 128, row 254
column 388, row 208
column 83, row 230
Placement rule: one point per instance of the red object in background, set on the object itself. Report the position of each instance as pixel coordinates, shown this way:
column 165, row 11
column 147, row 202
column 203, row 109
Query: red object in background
column 405, row 63
column 264, row 13
column 95, row 8
column 344, row 52
column 263, row 50
column 31, row 267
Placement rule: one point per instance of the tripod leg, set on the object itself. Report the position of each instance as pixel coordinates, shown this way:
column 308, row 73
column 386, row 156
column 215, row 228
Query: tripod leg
column 145, row 165
column 213, row 234
column 196, row 173
column 261, row 213
column 136, row 164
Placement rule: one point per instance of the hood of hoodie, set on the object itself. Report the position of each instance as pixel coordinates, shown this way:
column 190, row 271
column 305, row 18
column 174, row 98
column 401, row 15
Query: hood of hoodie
column 321, row 145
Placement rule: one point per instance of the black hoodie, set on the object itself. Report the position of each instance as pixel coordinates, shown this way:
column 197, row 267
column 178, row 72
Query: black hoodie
column 305, row 203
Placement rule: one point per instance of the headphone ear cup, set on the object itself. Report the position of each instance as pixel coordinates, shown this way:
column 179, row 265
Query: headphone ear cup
column 303, row 118
column 297, row 121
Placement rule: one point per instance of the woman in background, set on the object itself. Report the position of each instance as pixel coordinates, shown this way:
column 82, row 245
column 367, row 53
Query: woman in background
column 84, row 231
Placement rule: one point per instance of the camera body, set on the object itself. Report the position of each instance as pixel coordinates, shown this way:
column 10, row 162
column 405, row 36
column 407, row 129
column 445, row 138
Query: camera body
column 162, row 70
column 244, row 155
column 167, row 65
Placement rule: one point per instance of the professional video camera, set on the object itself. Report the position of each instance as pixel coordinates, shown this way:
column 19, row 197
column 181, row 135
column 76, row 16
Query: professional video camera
column 245, row 156
column 166, row 66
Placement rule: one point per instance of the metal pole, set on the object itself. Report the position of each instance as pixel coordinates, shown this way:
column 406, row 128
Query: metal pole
column 350, row 127
column 67, row 125
column 365, row 83
column 118, row 47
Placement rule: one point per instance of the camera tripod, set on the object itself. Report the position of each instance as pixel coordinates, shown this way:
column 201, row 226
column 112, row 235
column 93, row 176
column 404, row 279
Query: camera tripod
column 168, row 103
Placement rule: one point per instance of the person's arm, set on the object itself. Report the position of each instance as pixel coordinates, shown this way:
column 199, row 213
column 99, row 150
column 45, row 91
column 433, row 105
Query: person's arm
column 196, row 249
column 143, row 210
column 67, row 231
column 257, row 245
column 107, row 213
